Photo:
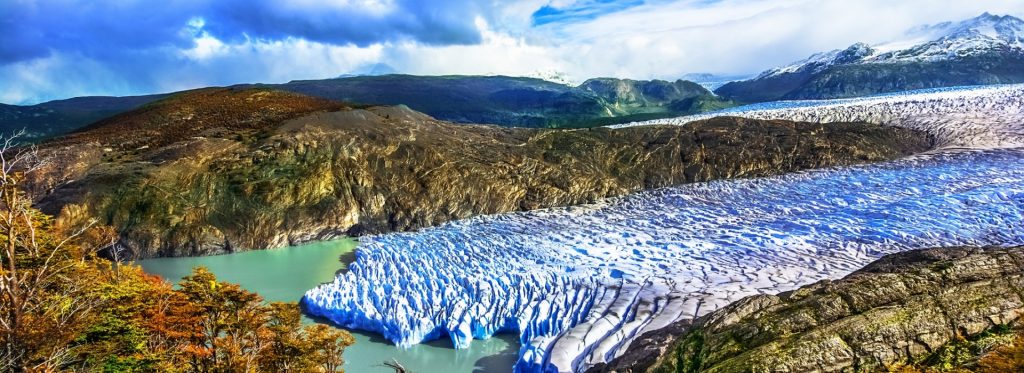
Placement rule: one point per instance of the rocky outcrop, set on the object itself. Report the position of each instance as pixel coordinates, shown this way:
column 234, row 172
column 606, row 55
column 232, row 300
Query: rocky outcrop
column 196, row 175
column 893, row 312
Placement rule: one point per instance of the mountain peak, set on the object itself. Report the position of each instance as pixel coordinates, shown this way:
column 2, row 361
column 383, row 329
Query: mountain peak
column 987, row 49
column 820, row 61
column 1004, row 28
column 948, row 40
column 943, row 41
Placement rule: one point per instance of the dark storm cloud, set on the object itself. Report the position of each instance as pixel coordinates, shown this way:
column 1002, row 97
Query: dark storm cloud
column 106, row 29
column 428, row 22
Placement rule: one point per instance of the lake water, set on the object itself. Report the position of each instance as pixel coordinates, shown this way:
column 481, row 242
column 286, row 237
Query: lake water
column 285, row 274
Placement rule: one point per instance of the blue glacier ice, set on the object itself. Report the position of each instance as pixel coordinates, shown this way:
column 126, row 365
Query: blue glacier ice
column 579, row 283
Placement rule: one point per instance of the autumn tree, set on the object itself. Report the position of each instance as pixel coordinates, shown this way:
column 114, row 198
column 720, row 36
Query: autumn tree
column 241, row 333
column 327, row 346
column 41, row 310
column 63, row 308
column 288, row 346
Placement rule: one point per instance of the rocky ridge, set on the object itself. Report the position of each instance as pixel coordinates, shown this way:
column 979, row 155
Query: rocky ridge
column 893, row 312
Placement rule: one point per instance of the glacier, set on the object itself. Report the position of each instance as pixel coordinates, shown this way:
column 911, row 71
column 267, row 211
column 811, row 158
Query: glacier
column 579, row 283
column 976, row 116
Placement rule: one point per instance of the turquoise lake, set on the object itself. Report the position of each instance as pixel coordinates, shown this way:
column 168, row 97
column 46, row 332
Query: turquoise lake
column 285, row 274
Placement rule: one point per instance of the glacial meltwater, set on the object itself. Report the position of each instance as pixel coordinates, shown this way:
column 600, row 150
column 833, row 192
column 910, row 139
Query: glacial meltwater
column 284, row 274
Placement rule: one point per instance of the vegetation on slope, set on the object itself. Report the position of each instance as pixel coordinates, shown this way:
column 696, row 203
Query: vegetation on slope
column 64, row 309
column 180, row 177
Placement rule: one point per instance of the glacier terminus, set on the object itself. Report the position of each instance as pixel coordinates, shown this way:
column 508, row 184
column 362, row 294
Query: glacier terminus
column 578, row 284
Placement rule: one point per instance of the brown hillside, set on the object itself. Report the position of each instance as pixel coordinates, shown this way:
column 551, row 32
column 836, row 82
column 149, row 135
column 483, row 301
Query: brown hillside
column 202, row 112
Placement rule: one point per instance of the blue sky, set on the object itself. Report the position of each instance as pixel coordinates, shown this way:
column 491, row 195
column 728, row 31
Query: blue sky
column 52, row 49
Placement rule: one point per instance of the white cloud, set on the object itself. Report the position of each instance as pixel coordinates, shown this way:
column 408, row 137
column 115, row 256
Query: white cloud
column 661, row 39
column 497, row 54
column 666, row 40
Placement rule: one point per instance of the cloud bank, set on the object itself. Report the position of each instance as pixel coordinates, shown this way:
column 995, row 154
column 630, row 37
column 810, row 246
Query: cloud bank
column 52, row 49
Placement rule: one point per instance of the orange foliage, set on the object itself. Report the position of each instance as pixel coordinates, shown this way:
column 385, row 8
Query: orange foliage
column 1009, row 358
column 62, row 308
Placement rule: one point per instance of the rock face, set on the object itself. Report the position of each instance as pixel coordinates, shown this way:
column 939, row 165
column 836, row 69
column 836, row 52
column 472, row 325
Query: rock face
column 987, row 49
column 888, row 314
column 220, row 170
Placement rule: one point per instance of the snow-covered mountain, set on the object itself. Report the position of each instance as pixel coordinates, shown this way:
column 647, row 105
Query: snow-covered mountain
column 818, row 62
column 985, row 34
column 988, row 49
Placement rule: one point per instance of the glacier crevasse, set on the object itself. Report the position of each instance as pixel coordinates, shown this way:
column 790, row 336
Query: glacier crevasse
column 579, row 283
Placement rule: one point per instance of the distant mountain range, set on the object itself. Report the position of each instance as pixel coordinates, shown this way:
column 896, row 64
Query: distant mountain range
column 62, row 116
column 516, row 101
column 376, row 69
column 501, row 100
column 988, row 49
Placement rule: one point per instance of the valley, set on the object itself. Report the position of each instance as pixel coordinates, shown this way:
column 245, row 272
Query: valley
column 554, row 186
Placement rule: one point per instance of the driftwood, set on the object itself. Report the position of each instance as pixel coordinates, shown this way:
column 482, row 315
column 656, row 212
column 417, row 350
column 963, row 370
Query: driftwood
column 393, row 364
